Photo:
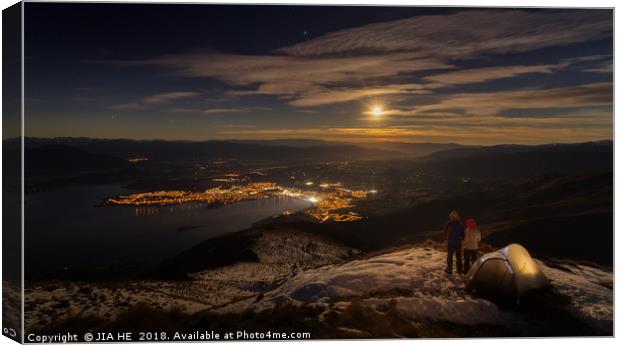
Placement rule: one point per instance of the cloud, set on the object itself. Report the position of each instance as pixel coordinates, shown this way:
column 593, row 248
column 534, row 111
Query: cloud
column 587, row 58
column 322, row 96
column 128, row 106
column 224, row 110
column 168, row 96
column 608, row 68
column 464, row 34
column 237, row 126
column 156, row 99
column 477, row 75
column 289, row 76
column 493, row 103
column 356, row 63
column 234, row 110
column 184, row 110
column 477, row 134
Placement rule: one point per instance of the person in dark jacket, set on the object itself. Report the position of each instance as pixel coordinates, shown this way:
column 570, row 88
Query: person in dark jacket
column 454, row 232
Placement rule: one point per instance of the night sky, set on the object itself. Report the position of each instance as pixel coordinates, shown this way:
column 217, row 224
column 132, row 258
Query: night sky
column 201, row 72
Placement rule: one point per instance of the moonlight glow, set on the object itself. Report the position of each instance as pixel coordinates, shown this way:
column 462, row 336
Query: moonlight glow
column 377, row 111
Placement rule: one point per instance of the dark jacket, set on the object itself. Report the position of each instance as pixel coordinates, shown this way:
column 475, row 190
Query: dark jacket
column 455, row 232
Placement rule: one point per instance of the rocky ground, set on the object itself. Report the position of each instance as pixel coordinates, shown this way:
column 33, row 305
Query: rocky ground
column 301, row 270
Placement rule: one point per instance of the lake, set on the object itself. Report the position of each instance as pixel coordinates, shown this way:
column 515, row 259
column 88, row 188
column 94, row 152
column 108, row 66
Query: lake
column 66, row 228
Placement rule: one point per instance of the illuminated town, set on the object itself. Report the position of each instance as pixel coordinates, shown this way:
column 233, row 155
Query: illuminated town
column 137, row 159
column 331, row 203
column 216, row 195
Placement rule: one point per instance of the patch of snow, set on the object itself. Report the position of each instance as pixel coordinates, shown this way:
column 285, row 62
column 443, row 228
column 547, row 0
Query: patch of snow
column 53, row 301
column 587, row 287
column 281, row 255
column 302, row 269
column 415, row 280
column 299, row 248
column 413, row 270
column 466, row 311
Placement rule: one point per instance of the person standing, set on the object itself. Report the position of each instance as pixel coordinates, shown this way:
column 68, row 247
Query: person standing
column 454, row 232
column 470, row 243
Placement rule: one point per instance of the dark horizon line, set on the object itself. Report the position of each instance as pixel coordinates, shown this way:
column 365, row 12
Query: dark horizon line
column 302, row 139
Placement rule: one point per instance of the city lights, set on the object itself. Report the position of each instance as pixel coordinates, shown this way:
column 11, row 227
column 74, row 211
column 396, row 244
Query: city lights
column 333, row 202
column 137, row 159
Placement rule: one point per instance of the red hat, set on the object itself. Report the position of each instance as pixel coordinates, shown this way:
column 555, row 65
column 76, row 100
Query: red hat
column 472, row 224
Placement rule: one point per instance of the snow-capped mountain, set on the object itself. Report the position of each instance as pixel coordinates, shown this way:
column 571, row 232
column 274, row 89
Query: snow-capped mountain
column 306, row 271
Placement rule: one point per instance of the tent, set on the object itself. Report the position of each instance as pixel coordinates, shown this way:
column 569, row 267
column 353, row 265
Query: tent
column 509, row 272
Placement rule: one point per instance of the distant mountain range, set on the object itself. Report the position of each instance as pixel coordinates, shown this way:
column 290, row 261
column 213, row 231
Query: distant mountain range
column 273, row 150
column 68, row 154
column 469, row 151
column 522, row 160
column 61, row 159
column 410, row 150
column 206, row 150
column 414, row 150
column 308, row 148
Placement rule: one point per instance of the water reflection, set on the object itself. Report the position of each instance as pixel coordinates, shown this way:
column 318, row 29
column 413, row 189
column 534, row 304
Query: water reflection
column 78, row 231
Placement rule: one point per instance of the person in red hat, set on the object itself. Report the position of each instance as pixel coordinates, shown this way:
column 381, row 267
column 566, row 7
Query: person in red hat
column 470, row 243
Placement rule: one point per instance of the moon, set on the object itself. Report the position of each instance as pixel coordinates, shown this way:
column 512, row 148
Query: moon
column 377, row 111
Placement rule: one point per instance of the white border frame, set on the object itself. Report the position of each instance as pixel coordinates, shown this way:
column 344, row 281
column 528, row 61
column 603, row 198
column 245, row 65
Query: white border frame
column 428, row 3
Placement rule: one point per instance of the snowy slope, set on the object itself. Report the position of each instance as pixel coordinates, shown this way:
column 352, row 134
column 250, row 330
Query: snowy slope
column 590, row 291
column 280, row 255
column 302, row 269
column 414, row 278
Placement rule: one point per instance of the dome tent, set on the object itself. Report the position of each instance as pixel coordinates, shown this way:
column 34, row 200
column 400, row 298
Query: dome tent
column 508, row 272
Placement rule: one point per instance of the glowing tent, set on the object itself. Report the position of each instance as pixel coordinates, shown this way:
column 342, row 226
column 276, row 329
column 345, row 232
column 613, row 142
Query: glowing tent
column 508, row 272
